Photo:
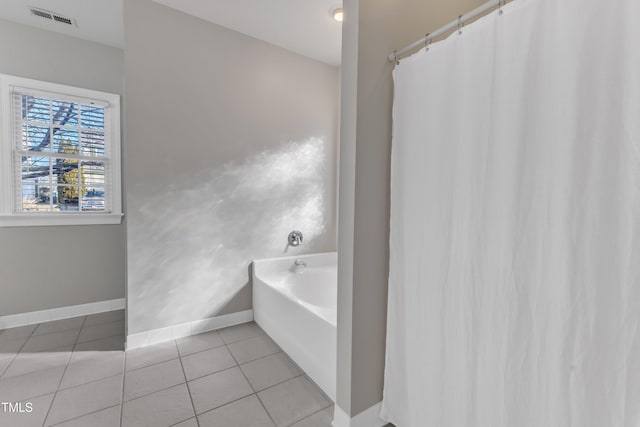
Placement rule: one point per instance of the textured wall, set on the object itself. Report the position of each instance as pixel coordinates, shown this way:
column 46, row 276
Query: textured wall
column 48, row 267
column 232, row 146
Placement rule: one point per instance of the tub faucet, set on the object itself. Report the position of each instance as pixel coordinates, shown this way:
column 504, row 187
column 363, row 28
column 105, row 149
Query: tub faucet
column 298, row 266
column 295, row 238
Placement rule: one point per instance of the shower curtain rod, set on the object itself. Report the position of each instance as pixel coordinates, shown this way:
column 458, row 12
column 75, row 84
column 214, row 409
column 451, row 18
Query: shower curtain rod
column 458, row 23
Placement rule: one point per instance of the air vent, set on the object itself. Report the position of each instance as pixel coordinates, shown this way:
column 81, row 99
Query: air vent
column 52, row 16
column 63, row 19
column 41, row 14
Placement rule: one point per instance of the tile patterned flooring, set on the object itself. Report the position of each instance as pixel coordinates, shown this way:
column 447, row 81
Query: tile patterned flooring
column 74, row 372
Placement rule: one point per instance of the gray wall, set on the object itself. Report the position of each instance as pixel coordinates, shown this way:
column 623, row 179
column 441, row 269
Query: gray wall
column 48, row 267
column 231, row 145
column 372, row 29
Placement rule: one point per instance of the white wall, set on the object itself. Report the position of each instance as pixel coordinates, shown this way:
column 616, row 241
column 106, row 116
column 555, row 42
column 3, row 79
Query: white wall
column 48, row 267
column 231, row 145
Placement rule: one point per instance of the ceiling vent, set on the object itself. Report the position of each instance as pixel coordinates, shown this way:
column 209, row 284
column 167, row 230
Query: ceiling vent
column 52, row 16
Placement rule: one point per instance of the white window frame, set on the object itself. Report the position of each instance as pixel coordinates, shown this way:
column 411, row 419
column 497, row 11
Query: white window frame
column 9, row 216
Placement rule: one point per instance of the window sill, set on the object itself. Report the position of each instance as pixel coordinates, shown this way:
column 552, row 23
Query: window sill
column 36, row 220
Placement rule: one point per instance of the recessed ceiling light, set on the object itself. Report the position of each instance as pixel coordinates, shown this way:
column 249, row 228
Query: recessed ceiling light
column 337, row 13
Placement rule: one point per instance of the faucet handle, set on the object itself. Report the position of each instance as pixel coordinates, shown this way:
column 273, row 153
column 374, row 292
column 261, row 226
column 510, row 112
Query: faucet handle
column 295, row 238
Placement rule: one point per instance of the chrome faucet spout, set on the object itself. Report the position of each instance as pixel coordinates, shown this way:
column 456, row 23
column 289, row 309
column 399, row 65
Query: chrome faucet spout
column 298, row 266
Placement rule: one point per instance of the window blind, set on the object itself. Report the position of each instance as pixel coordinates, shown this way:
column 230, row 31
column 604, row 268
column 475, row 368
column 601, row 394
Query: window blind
column 62, row 153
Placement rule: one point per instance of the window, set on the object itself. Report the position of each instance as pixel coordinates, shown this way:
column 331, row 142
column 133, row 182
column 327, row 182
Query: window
column 59, row 154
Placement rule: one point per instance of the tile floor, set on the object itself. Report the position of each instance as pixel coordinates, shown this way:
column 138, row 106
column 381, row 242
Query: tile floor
column 74, row 372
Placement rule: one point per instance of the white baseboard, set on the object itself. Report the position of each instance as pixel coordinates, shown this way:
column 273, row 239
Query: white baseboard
column 155, row 336
column 33, row 317
column 367, row 418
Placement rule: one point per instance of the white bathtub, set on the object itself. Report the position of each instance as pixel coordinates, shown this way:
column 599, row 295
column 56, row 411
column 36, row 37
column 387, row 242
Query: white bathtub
column 298, row 310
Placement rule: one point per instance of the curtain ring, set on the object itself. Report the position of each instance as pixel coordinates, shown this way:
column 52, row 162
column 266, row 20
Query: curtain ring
column 460, row 24
column 501, row 4
column 395, row 57
column 427, row 42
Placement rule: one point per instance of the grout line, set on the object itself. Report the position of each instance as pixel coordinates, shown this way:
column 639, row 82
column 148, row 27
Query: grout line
column 149, row 365
column 302, row 373
column 217, row 346
column 99, row 339
column 262, row 357
column 46, row 349
column 102, row 323
column 195, row 352
column 237, row 364
column 261, row 333
column 66, row 365
column 186, row 381
column 281, row 382
column 8, row 364
column 34, row 397
column 309, row 416
column 180, row 422
column 153, row 392
column 18, row 352
column 252, row 388
column 197, row 378
column 308, row 378
column 202, row 333
column 58, row 331
column 63, row 372
column 41, row 369
column 67, row 329
column 232, row 401
column 83, row 415
column 229, row 403
column 187, row 384
column 88, row 382
column 266, row 410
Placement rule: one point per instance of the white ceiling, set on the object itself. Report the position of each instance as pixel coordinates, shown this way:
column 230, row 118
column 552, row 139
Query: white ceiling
column 301, row 26
column 98, row 20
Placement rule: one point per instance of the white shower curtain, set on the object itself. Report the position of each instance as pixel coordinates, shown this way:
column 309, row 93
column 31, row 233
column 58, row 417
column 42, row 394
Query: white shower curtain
column 514, row 288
